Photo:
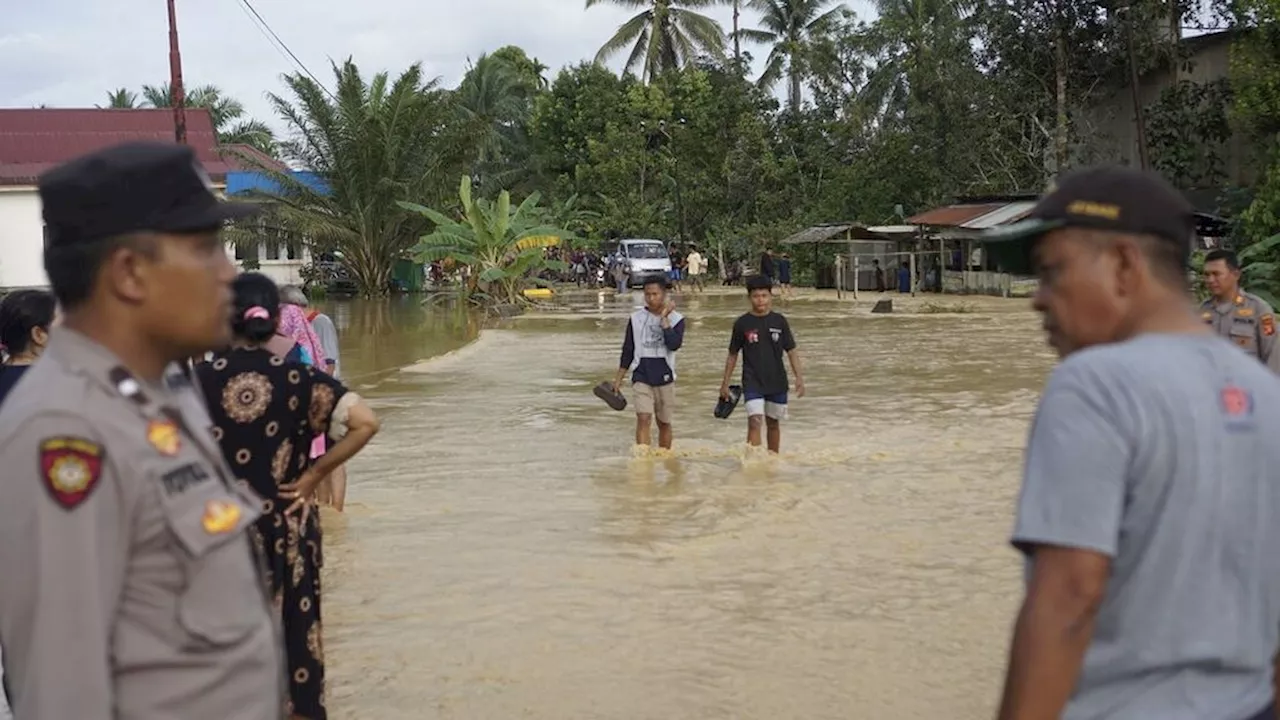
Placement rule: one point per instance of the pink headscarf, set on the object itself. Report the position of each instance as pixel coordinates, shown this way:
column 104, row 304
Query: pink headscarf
column 294, row 325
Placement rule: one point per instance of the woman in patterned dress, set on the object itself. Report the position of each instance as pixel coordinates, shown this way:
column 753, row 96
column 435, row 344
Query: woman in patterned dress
column 265, row 411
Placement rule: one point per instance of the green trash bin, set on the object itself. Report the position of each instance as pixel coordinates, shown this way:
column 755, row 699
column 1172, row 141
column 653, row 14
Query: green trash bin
column 408, row 275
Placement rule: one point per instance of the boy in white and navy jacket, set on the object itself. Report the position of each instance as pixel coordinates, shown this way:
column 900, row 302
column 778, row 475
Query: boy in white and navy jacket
column 654, row 334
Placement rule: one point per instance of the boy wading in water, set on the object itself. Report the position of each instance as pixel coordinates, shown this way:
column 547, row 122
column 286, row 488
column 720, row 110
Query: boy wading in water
column 654, row 334
column 762, row 336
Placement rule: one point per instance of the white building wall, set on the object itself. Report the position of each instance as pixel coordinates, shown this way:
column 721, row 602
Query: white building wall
column 21, row 239
column 283, row 272
column 22, row 245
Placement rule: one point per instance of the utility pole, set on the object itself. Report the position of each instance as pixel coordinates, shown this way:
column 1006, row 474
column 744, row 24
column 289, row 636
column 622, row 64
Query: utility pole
column 176, row 97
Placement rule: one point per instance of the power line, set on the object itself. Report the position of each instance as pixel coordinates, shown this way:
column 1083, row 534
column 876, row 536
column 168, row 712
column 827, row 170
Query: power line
column 280, row 45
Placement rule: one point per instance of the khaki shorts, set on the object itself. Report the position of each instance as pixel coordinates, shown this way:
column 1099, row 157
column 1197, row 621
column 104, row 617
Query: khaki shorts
column 659, row 401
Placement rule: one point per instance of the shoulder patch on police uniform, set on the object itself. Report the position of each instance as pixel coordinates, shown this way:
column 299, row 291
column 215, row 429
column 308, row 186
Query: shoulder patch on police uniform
column 70, row 468
column 164, row 437
column 1268, row 325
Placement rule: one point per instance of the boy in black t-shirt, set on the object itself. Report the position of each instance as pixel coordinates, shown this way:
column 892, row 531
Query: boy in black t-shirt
column 762, row 336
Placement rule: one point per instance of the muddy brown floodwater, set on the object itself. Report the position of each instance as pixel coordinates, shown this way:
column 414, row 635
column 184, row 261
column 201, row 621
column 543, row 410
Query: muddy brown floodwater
column 507, row 554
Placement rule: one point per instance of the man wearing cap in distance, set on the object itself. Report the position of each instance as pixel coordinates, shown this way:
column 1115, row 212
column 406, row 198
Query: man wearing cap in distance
column 1243, row 318
column 654, row 333
column 131, row 589
column 1149, row 515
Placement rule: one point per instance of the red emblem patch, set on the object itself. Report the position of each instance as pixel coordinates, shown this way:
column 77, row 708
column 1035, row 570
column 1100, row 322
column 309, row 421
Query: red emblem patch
column 71, row 467
column 1268, row 325
column 1236, row 402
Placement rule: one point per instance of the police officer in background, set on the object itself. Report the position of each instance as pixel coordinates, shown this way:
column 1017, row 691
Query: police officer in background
column 130, row 589
column 1246, row 320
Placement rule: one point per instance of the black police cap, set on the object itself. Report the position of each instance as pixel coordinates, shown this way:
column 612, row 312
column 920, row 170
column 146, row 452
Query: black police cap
column 132, row 187
column 1117, row 199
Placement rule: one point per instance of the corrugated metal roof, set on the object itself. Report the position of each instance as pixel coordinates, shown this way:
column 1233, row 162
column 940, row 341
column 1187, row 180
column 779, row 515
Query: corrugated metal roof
column 824, row 233
column 953, row 215
column 1009, row 213
column 895, row 229
column 246, row 181
column 35, row 140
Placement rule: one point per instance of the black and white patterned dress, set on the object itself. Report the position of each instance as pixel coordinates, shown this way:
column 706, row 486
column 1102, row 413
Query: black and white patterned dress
column 265, row 412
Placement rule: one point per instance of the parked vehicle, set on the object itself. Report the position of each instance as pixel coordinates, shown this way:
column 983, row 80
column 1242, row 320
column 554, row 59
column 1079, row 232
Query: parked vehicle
column 645, row 258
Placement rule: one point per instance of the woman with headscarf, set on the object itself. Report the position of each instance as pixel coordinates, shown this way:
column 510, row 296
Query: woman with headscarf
column 294, row 326
column 265, row 412
column 25, row 319
column 333, row 489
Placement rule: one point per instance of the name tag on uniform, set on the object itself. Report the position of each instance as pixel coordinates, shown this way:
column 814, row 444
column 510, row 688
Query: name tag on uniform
column 1244, row 312
column 183, row 478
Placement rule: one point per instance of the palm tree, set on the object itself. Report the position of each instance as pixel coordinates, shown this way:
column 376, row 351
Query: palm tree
column 227, row 114
column 737, row 32
column 911, row 42
column 540, row 72
column 790, row 26
column 121, row 98
column 531, row 71
column 490, row 97
column 254, row 133
column 664, row 36
column 371, row 144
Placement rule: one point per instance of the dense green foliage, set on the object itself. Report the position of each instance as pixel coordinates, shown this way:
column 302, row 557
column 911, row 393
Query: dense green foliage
column 878, row 119
column 496, row 241
column 228, row 115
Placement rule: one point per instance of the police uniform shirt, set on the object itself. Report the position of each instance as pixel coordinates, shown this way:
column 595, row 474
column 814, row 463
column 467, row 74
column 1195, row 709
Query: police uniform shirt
column 130, row 587
column 1248, row 322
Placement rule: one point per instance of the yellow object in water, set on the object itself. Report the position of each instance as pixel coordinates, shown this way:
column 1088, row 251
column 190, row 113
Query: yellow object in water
column 539, row 292
column 533, row 241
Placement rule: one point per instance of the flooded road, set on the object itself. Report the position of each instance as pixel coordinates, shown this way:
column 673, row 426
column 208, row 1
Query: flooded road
column 507, row 554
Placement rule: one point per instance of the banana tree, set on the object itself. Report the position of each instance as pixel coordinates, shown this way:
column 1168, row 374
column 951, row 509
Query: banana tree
column 1261, row 267
column 486, row 238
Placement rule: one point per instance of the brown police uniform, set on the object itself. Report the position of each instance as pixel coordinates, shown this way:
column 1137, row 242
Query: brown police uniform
column 1248, row 322
column 129, row 588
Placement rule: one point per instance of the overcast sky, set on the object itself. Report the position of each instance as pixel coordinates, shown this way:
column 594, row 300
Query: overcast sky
column 70, row 53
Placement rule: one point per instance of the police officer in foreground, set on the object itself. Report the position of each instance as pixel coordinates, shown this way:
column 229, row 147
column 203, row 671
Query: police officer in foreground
column 129, row 589
column 1149, row 516
column 1242, row 318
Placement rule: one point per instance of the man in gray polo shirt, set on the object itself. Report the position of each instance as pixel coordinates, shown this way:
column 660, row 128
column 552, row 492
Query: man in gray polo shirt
column 1150, row 506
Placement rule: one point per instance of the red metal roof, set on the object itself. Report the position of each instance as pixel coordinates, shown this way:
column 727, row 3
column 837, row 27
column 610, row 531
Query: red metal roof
column 34, row 140
column 248, row 157
column 954, row 215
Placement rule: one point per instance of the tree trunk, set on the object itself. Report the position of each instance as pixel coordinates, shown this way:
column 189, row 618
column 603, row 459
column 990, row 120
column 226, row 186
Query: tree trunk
column 794, row 94
column 737, row 45
column 1140, row 123
column 371, row 274
column 1060, row 134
